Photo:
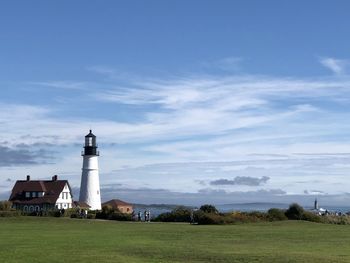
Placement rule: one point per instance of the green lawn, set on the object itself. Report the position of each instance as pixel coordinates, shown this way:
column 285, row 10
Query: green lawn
column 30, row 239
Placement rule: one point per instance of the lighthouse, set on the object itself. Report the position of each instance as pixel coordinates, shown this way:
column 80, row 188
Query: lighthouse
column 90, row 182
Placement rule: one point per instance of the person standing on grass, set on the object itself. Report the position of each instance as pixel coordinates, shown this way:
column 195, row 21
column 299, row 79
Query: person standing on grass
column 139, row 216
column 149, row 215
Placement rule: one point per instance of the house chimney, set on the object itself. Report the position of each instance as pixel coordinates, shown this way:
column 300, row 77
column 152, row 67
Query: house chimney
column 28, row 177
column 54, row 178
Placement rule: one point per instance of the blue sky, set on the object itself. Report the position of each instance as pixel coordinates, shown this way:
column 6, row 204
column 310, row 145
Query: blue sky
column 192, row 101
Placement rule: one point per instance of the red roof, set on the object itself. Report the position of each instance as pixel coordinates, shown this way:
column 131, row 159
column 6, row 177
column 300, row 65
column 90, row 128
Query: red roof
column 81, row 204
column 51, row 189
column 116, row 203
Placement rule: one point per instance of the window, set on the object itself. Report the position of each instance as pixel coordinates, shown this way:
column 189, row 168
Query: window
column 31, row 208
column 33, row 194
column 40, row 194
column 88, row 141
column 27, row 194
column 25, row 208
column 37, row 208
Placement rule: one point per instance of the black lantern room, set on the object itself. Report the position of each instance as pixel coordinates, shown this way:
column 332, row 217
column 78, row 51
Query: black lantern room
column 90, row 147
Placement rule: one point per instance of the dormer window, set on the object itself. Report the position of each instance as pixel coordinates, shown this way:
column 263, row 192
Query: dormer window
column 33, row 194
column 27, row 194
column 40, row 194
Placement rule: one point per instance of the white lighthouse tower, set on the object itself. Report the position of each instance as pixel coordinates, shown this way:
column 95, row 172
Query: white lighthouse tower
column 90, row 182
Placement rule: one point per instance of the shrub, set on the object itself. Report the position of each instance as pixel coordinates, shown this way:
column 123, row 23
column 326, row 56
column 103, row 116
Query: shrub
column 12, row 213
column 203, row 218
column 339, row 220
column 247, row 217
column 256, row 216
column 120, row 216
column 105, row 212
column 110, row 213
column 275, row 214
column 294, row 212
column 179, row 214
column 74, row 216
column 5, row 206
column 91, row 216
column 309, row 216
column 164, row 217
column 51, row 213
column 209, row 209
column 69, row 212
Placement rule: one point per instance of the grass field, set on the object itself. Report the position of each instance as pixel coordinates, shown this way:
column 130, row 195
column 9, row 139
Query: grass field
column 30, row 239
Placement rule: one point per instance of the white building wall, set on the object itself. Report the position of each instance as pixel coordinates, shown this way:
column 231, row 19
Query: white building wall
column 65, row 199
column 90, row 182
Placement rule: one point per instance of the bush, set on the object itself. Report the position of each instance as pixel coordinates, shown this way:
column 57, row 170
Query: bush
column 209, row 209
column 275, row 214
column 294, row 212
column 91, row 216
column 110, row 213
column 51, row 213
column 203, row 218
column 309, row 216
column 12, row 213
column 74, row 216
column 5, row 206
column 164, row 217
column 256, row 216
column 71, row 211
column 338, row 220
column 237, row 217
column 120, row 216
column 179, row 214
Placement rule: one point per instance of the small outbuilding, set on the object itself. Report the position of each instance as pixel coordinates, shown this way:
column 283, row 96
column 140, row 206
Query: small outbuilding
column 122, row 206
column 81, row 205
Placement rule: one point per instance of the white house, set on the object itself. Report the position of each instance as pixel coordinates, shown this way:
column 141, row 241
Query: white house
column 37, row 195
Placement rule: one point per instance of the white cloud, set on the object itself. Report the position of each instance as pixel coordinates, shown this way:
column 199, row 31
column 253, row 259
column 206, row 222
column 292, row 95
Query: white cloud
column 266, row 124
column 226, row 64
column 337, row 66
column 69, row 85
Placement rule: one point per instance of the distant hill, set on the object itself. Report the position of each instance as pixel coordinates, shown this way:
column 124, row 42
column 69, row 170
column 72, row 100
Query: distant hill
column 250, row 206
column 160, row 206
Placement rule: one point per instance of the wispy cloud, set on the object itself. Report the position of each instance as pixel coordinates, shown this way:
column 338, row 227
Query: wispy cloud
column 20, row 156
column 69, row 85
column 192, row 128
column 226, row 64
column 242, row 180
column 337, row 66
